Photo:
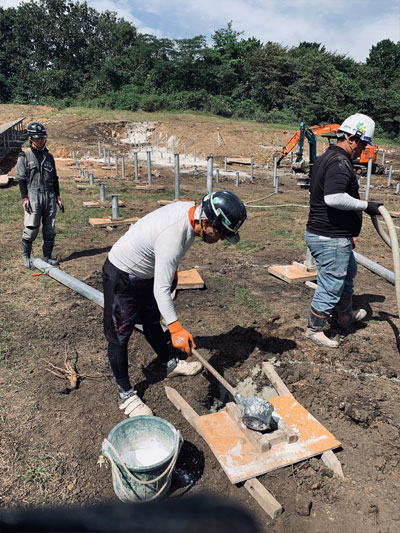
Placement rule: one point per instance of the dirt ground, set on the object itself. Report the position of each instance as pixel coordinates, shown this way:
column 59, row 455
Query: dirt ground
column 51, row 435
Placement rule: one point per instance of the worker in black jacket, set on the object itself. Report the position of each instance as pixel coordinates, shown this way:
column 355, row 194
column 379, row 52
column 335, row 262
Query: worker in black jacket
column 334, row 221
column 40, row 191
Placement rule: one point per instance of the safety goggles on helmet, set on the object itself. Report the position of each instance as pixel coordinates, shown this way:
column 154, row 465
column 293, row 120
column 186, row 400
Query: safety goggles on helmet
column 226, row 213
column 36, row 130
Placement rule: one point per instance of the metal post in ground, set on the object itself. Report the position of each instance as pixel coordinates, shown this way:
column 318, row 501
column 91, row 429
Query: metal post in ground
column 149, row 167
column 123, row 165
column 176, row 161
column 99, row 145
column 105, row 154
column 383, row 158
column 135, row 158
column 116, row 165
column 91, row 179
column 152, row 139
column 210, row 163
column 369, row 171
column 225, row 162
column 102, row 192
column 108, row 158
column 398, row 187
column 194, row 154
column 114, row 206
column 277, row 184
column 291, row 157
column 237, row 179
column 80, row 173
column 390, row 174
column 86, row 174
column 251, row 169
column 275, row 168
column 217, row 176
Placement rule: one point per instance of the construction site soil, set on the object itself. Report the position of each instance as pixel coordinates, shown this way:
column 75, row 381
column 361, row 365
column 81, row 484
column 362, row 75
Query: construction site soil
column 51, row 434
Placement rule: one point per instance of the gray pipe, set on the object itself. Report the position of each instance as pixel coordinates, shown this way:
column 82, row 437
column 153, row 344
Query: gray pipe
column 149, row 167
column 369, row 171
column 78, row 286
column 135, row 155
column 210, row 163
column 75, row 284
column 115, row 206
column 385, row 273
column 176, row 158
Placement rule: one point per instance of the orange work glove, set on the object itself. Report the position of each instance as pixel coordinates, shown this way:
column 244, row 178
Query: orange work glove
column 181, row 338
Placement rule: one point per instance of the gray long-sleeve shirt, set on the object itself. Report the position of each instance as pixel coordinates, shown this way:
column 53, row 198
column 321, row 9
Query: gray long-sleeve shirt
column 153, row 247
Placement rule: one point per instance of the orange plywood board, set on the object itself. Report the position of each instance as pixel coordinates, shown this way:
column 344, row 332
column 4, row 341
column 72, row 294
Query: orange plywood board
column 108, row 221
column 189, row 279
column 291, row 273
column 241, row 460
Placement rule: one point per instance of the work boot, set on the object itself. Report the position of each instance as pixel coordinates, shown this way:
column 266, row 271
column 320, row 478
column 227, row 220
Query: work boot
column 178, row 367
column 47, row 251
column 346, row 316
column 132, row 405
column 26, row 253
column 314, row 331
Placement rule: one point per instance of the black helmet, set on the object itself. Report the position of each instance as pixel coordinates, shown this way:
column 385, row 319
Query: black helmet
column 226, row 213
column 36, row 130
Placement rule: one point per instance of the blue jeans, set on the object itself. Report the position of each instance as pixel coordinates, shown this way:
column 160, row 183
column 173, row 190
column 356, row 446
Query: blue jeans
column 336, row 270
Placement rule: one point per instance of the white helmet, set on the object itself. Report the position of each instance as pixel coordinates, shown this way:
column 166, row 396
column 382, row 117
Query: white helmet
column 360, row 126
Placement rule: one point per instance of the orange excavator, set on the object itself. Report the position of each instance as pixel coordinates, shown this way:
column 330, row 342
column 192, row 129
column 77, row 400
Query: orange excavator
column 310, row 133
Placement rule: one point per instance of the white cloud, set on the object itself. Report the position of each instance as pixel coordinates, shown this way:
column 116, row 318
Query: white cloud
column 348, row 27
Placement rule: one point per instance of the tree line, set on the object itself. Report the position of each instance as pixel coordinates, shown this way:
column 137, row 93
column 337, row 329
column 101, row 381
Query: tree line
column 64, row 53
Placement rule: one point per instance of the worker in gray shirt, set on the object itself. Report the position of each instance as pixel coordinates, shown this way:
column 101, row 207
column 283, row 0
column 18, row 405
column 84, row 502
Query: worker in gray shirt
column 40, row 191
column 137, row 278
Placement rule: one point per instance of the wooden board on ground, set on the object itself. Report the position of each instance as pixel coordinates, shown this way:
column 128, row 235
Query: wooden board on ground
column 167, row 202
column 150, row 187
column 292, row 273
column 241, row 460
column 394, row 214
column 4, row 180
column 189, row 279
column 108, row 221
column 95, row 203
column 238, row 161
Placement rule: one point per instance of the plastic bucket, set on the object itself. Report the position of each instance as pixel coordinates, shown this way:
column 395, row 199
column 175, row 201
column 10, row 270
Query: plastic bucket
column 142, row 451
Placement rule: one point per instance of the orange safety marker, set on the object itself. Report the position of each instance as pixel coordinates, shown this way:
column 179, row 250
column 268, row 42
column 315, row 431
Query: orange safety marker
column 36, row 274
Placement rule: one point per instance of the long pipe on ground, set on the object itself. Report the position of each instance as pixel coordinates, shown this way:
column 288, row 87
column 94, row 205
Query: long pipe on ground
column 75, row 284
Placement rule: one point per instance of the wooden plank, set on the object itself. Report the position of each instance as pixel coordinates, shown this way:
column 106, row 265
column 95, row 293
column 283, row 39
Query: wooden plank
column 276, row 381
column 189, row 279
column 263, row 497
column 291, row 273
column 332, row 462
column 238, row 161
column 104, row 222
column 4, row 180
column 183, row 407
column 96, row 203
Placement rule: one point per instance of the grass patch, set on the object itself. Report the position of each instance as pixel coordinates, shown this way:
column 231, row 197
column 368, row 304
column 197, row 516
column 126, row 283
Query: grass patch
column 293, row 240
column 37, row 473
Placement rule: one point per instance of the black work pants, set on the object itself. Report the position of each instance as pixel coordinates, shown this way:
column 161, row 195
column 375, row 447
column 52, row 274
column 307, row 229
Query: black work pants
column 129, row 300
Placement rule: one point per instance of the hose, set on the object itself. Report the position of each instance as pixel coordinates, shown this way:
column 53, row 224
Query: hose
column 392, row 241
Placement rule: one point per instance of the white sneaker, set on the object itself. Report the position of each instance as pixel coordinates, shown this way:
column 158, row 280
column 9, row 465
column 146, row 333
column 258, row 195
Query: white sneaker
column 132, row 405
column 183, row 368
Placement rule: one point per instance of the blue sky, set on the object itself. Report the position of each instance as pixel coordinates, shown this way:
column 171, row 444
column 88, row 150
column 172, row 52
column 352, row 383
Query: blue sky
column 348, row 27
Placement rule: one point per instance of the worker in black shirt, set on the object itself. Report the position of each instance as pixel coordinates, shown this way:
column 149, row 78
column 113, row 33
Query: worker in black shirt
column 334, row 221
column 40, row 191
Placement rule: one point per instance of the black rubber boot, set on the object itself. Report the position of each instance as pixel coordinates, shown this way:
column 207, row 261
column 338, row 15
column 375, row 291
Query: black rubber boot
column 47, row 251
column 314, row 332
column 26, row 253
column 345, row 314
